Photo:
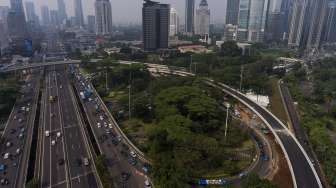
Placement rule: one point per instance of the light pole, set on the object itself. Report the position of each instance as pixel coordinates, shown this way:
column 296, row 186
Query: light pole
column 227, row 105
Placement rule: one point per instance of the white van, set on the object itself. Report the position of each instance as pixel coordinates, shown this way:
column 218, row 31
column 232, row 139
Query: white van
column 47, row 133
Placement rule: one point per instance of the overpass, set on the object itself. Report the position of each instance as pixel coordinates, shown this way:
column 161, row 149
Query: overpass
column 302, row 170
column 38, row 65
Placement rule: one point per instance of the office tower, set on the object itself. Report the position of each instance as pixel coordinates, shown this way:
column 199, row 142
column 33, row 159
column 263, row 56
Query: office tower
column 155, row 22
column 203, row 19
column 61, row 10
column 45, row 15
column 30, row 11
column 79, row 13
column 274, row 24
column 232, row 10
column 174, row 22
column 296, row 24
column 91, row 23
column 329, row 32
column 16, row 20
column 103, row 17
column 4, row 12
column 317, row 20
column 54, row 18
column 252, row 20
column 230, row 32
column 190, row 16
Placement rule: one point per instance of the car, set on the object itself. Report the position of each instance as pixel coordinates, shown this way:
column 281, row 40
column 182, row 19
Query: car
column 23, row 130
column 60, row 162
column 20, row 120
column 58, row 134
column 15, row 117
column 4, row 181
column 8, row 144
column 147, row 184
column 98, row 125
column 105, row 124
column 18, row 151
column 86, row 161
column 101, row 117
column 47, row 133
column 132, row 161
column 6, row 156
column 119, row 138
column 110, row 125
column 21, row 135
column 53, row 142
column 2, row 167
column 108, row 131
column 133, row 154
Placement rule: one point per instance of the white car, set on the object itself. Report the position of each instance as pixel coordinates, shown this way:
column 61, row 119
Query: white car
column 147, row 184
column 6, row 156
column 58, row 134
column 133, row 154
column 53, row 142
column 86, row 161
column 18, row 151
column 47, row 133
column 98, row 125
column 101, row 118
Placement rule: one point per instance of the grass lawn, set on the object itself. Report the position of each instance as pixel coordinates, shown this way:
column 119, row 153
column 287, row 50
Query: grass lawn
column 277, row 107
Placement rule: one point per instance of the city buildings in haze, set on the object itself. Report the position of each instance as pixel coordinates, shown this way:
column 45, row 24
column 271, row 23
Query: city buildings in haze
column 232, row 10
column 174, row 22
column 103, row 17
column 30, row 11
column 79, row 13
column 190, row 16
column 54, row 18
column 16, row 20
column 155, row 22
column 329, row 32
column 203, row 19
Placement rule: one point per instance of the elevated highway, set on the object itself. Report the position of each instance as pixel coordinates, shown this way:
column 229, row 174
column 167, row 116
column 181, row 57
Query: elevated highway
column 302, row 170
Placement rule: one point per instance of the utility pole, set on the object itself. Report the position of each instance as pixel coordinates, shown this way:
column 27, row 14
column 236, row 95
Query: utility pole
column 227, row 118
column 129, row 93
column 241, row 78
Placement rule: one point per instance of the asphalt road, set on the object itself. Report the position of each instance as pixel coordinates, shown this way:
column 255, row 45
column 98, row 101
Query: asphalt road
column 63, row 163
column 118, row 155
column 18, row 133
column 303, row 172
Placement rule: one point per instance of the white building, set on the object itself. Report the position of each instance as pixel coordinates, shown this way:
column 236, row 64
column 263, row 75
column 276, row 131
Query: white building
column 203, row 19
column 103, row 17
column 174, row 22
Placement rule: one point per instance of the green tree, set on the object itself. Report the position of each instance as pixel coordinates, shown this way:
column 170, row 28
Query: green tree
column 253, row 181
column 230, row 49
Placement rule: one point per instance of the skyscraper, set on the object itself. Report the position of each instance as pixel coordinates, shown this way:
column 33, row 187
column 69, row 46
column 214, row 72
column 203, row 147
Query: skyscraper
column 103, row 17
column 232, row 10
column 296, row 24
column 45, row 15
column 61, row 10
column 252, row 20
column 155, row 22
column 16, row 20
column 329, row 32
column 79, row 13
column 91, row 26
column 4, row 12
column 174, row 22
column 30, row 11
column 54, row 18
column 190, row 16
column 203, row 19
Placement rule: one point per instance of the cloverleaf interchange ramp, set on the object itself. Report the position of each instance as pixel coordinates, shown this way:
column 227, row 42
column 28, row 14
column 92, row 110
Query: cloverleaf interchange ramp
column 302, row 170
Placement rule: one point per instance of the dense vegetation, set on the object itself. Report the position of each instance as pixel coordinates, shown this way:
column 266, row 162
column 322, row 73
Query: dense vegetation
column 316, row 96
column 8, row 94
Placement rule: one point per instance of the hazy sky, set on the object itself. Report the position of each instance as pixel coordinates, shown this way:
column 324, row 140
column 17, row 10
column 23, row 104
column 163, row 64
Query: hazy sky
column 126, row 11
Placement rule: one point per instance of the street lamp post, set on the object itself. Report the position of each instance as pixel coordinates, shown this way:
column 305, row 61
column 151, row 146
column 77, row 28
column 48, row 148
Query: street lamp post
column 227, row 105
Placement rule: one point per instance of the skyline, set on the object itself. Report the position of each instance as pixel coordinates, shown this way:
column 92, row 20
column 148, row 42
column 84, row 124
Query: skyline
column 133, row 15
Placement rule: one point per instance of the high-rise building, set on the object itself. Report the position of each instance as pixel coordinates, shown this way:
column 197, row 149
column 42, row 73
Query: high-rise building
column 30, row 11
column 252, row 20
column 155, row 22
column 174, row 22
column 91, row 26
column 45, row 15
column 103, row 17
column 54, row 18
column 232, row 10
column 203, row 19
column 329, row 32
column 190, row 16
column 4, row 12
column 317, row 20
column 61, row 10
column 79, row 13
column 307, row 22
column 16, row 20
column 274, row 31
